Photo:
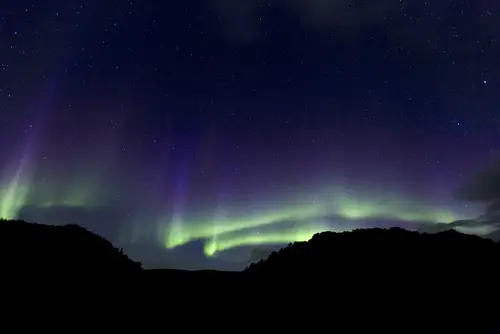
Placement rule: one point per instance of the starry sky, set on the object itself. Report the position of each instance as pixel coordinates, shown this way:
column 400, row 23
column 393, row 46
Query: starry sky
column 196, row 134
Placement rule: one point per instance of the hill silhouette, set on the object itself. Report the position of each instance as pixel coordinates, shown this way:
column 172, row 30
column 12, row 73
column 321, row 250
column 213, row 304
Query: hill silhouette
column 71, row 249
column 443, row 282
column 390, row 280
column 385, row 253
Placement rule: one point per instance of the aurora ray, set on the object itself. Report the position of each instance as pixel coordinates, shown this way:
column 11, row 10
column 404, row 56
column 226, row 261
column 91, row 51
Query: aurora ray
column 14, row 193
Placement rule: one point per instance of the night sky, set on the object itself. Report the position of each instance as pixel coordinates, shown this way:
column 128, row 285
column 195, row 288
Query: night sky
column 196, row 133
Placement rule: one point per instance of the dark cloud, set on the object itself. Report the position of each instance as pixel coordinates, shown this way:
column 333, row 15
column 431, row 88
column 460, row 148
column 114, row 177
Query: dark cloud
column 472, row 226
column 483, row 187
column 240, row 19
column 244, row 18
column 325, row 13
column 495, row 235
column 410, row 21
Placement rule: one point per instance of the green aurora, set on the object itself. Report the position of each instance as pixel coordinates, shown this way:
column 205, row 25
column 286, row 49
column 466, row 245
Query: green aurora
column 224, row 233
column 224, row 229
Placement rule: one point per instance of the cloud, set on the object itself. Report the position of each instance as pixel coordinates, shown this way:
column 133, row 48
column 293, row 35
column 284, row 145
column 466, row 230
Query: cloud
column 244, row 19
column 412, row 22
column 324, row 13
column 483, row 187
column 495, row 235
column 240, row 19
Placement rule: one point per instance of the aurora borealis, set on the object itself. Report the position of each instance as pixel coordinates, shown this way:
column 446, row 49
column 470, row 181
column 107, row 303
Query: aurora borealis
column 191, row 133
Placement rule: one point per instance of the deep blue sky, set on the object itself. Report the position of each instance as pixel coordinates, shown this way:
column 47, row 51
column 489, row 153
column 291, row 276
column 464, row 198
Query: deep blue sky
column 118, row 114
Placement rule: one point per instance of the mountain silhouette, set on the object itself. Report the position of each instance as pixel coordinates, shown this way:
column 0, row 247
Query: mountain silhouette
column 71, row 249
column 365, row 280
column 385, row 253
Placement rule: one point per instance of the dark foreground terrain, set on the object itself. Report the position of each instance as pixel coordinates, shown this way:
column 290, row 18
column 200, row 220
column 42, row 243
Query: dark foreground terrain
column 361, row 281
column 44, row 250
